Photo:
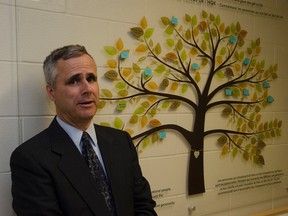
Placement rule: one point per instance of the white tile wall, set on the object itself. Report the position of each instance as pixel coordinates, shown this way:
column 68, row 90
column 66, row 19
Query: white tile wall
column 29, row 30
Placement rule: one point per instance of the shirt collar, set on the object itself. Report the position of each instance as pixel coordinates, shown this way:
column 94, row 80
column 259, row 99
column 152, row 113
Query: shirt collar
column 75, row 134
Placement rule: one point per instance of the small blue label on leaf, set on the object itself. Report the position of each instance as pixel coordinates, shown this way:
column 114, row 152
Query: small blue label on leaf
column 270, row 99
column 246, row 61
column 162, row 134
column 195, row 66
column 124, row 55
column 245, row 92
column 174, row 20
column 148, row 72
column 232, row 39
column 228, row 92
column 266, row 84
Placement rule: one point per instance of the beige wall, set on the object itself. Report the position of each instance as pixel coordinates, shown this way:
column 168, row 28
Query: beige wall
column 29, row 30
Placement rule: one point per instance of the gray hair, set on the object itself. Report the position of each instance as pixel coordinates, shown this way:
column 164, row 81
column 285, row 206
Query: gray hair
column 65, row 53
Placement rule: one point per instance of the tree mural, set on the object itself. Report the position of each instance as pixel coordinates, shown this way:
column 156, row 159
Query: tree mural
column 202, row 51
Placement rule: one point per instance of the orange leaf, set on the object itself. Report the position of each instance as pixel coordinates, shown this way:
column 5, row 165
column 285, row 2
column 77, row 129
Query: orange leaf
column 174, row 86
column 151, row 98
column 112, row 63
column 144, row 121
column 126, row 72
column 203, row 25
column 119, row 44
column 154, row 123
column 152, row 85
column 143, row 23
column 141, row 48
column 171, row 56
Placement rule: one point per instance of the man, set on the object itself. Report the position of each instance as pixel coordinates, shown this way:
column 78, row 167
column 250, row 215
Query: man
column 50, row 175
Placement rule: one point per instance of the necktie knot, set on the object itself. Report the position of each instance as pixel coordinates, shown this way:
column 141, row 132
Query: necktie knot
column 85, row 137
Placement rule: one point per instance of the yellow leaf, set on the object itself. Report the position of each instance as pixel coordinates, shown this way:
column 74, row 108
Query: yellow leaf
column 141, row 48
column 129, row 131
column 222, row 27
column 219, row 59
column 126, row 72
column 152, row 85
column 136, row 68
column 195, row 32
column 151, row 98
column 112, row 63
column 193, row 51
column 237, row 67
column 144, row 121
column 225, row 150
column 197, row 76
column 174, row 86
column 154, row 123
column 143, row 23
column 119, row 44
column 154, row 137
column 133, row 119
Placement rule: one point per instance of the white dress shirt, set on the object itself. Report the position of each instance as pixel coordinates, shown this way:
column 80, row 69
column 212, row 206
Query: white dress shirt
column 75, row 134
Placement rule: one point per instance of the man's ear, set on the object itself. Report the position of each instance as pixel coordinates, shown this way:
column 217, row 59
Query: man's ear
column 50, row 92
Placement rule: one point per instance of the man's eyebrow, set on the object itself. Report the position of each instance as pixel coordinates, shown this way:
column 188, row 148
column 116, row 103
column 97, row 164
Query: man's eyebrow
column 72, row 78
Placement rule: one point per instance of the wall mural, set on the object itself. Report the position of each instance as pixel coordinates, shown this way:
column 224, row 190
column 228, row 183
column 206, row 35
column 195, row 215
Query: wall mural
column 200, row 63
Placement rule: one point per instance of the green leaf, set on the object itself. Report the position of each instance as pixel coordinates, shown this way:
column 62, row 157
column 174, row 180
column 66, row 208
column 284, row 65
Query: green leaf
column 107, row 93
column 222, row 140
column 169, row 30
column 123, row 93
column 204, row 14
column 136, row 68
column 170, row 42
column 148, row 33
column 223, row 51
column 120, row 85
column 165, row 104
column 111, row 50
column 218, row 20
column 194, row 20
column 160, row 68
column 118, row 123
column 158, row 49
column 220, row 74
column 140, row 110
column 184, row 88
column 183, row 55
column 165, row 20
column 234, row 152
column 133, row 119
column 121, row 105
column 101, row 104
column 187, row 17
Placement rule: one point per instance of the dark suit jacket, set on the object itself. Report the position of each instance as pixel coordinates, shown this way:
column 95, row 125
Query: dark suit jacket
column 50, row 177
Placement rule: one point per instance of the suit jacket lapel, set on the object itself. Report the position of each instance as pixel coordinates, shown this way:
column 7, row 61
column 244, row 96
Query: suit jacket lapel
column 75, row 169
column 108, row 148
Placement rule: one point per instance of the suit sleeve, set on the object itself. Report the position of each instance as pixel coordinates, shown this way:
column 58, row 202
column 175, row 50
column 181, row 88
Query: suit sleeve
column 32, row 187
column 143, row 203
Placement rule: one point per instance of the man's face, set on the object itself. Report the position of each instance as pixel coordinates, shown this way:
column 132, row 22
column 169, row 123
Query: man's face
column 76, row 91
